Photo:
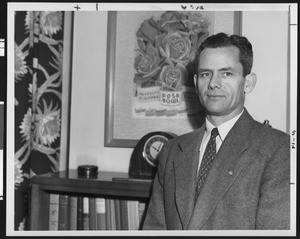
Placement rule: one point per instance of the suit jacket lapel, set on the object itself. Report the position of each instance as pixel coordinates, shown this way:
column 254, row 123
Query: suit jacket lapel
column 225, row 169
column 185, row 168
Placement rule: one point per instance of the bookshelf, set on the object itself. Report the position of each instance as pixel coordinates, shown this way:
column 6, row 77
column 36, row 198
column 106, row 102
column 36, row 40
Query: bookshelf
column 107, row 184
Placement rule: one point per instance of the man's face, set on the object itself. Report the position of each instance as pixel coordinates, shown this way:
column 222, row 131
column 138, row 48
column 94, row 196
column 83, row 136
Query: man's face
column 220, row 81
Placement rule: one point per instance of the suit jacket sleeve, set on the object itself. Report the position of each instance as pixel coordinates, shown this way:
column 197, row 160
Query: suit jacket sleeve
column 155, row 216
column 274, row 204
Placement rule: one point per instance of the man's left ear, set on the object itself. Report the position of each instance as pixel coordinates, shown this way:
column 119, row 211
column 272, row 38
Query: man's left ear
column 250, row 82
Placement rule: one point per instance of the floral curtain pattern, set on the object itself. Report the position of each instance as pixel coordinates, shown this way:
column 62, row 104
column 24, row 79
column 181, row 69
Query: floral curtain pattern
column 38, row 87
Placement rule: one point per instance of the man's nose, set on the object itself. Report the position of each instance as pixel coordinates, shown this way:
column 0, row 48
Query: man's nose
column 215, row 81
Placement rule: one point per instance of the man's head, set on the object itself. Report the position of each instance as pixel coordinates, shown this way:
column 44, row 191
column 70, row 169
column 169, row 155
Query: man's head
column 223, row 40
column 224, row 76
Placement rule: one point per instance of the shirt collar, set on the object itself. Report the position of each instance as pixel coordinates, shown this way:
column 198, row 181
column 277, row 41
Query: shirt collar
column 223, row 128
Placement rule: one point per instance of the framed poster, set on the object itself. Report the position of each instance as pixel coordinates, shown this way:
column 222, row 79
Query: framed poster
column 149, row 77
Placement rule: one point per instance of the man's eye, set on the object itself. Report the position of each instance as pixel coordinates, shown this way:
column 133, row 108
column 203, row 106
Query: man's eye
column 204, row 74
column 227, row 74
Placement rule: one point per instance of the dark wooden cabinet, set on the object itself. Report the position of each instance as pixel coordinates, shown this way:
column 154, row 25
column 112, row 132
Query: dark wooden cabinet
column 107, row 184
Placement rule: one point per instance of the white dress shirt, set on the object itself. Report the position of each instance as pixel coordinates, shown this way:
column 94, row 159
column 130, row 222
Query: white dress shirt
column 223, row 131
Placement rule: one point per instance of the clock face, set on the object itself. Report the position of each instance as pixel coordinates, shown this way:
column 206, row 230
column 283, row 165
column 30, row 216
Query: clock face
column 152, row 147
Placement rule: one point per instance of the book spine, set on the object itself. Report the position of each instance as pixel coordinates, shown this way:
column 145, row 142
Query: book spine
column 73, row 213
column 63, row 219
column 130, row 215
column 92, row 214
column 86, row 223
column 135, row 214
column 100, row 209
column 53, row 212
column 117, row 214
column 124, row 214
column 108, row 214
column 113, row 215
column 79, row 213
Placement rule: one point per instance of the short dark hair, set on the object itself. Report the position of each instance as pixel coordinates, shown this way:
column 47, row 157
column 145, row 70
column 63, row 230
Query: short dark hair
column 223, row 40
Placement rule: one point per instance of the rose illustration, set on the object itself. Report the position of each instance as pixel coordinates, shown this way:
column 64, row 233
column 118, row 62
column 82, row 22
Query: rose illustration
column 146, row 65
column 171, row 21
column 195, row 22
column 197, row 27
column 147, row 32
column 170, row 41
column 176, row 48
column 172, row 78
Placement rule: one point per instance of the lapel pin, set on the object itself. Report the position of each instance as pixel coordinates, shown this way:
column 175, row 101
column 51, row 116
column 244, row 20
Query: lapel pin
column 230, row 172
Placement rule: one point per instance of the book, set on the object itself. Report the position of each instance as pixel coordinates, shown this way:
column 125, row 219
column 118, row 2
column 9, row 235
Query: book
column 117, row 214
column 100, row 209
column 135, row 214
column 124, row 214
column 107, row 214
column 79, row 213
column 73, row 212
column 86, row 221
column 53, row 211
column 112, row 215
column 63, row 212
column 130, row 215
column 92, row 214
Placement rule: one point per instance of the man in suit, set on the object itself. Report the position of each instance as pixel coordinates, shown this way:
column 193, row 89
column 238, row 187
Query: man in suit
column 242, row 181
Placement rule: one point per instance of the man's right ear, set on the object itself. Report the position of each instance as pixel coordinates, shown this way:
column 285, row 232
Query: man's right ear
column 196, row 82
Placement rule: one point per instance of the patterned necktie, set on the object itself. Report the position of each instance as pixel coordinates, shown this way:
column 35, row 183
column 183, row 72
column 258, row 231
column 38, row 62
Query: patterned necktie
column 207, row 160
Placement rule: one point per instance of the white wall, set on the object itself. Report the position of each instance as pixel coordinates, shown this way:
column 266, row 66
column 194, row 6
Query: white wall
column 267, row 33
column 88, row 97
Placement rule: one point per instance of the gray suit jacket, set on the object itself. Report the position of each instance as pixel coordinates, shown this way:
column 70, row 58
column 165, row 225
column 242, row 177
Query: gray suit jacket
column 246, row 188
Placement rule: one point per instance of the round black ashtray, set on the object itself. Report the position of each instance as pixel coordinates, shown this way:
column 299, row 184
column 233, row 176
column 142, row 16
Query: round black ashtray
column 87, row 171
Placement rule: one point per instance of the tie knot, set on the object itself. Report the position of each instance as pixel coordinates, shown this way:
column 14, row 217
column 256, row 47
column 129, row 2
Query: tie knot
column 214, row 133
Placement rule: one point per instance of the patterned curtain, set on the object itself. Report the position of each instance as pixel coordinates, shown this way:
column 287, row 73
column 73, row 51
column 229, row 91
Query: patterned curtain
column 38, row 88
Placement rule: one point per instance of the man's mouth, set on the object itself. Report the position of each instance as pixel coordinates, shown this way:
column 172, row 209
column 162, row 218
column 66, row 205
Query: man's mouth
column 215, row 96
